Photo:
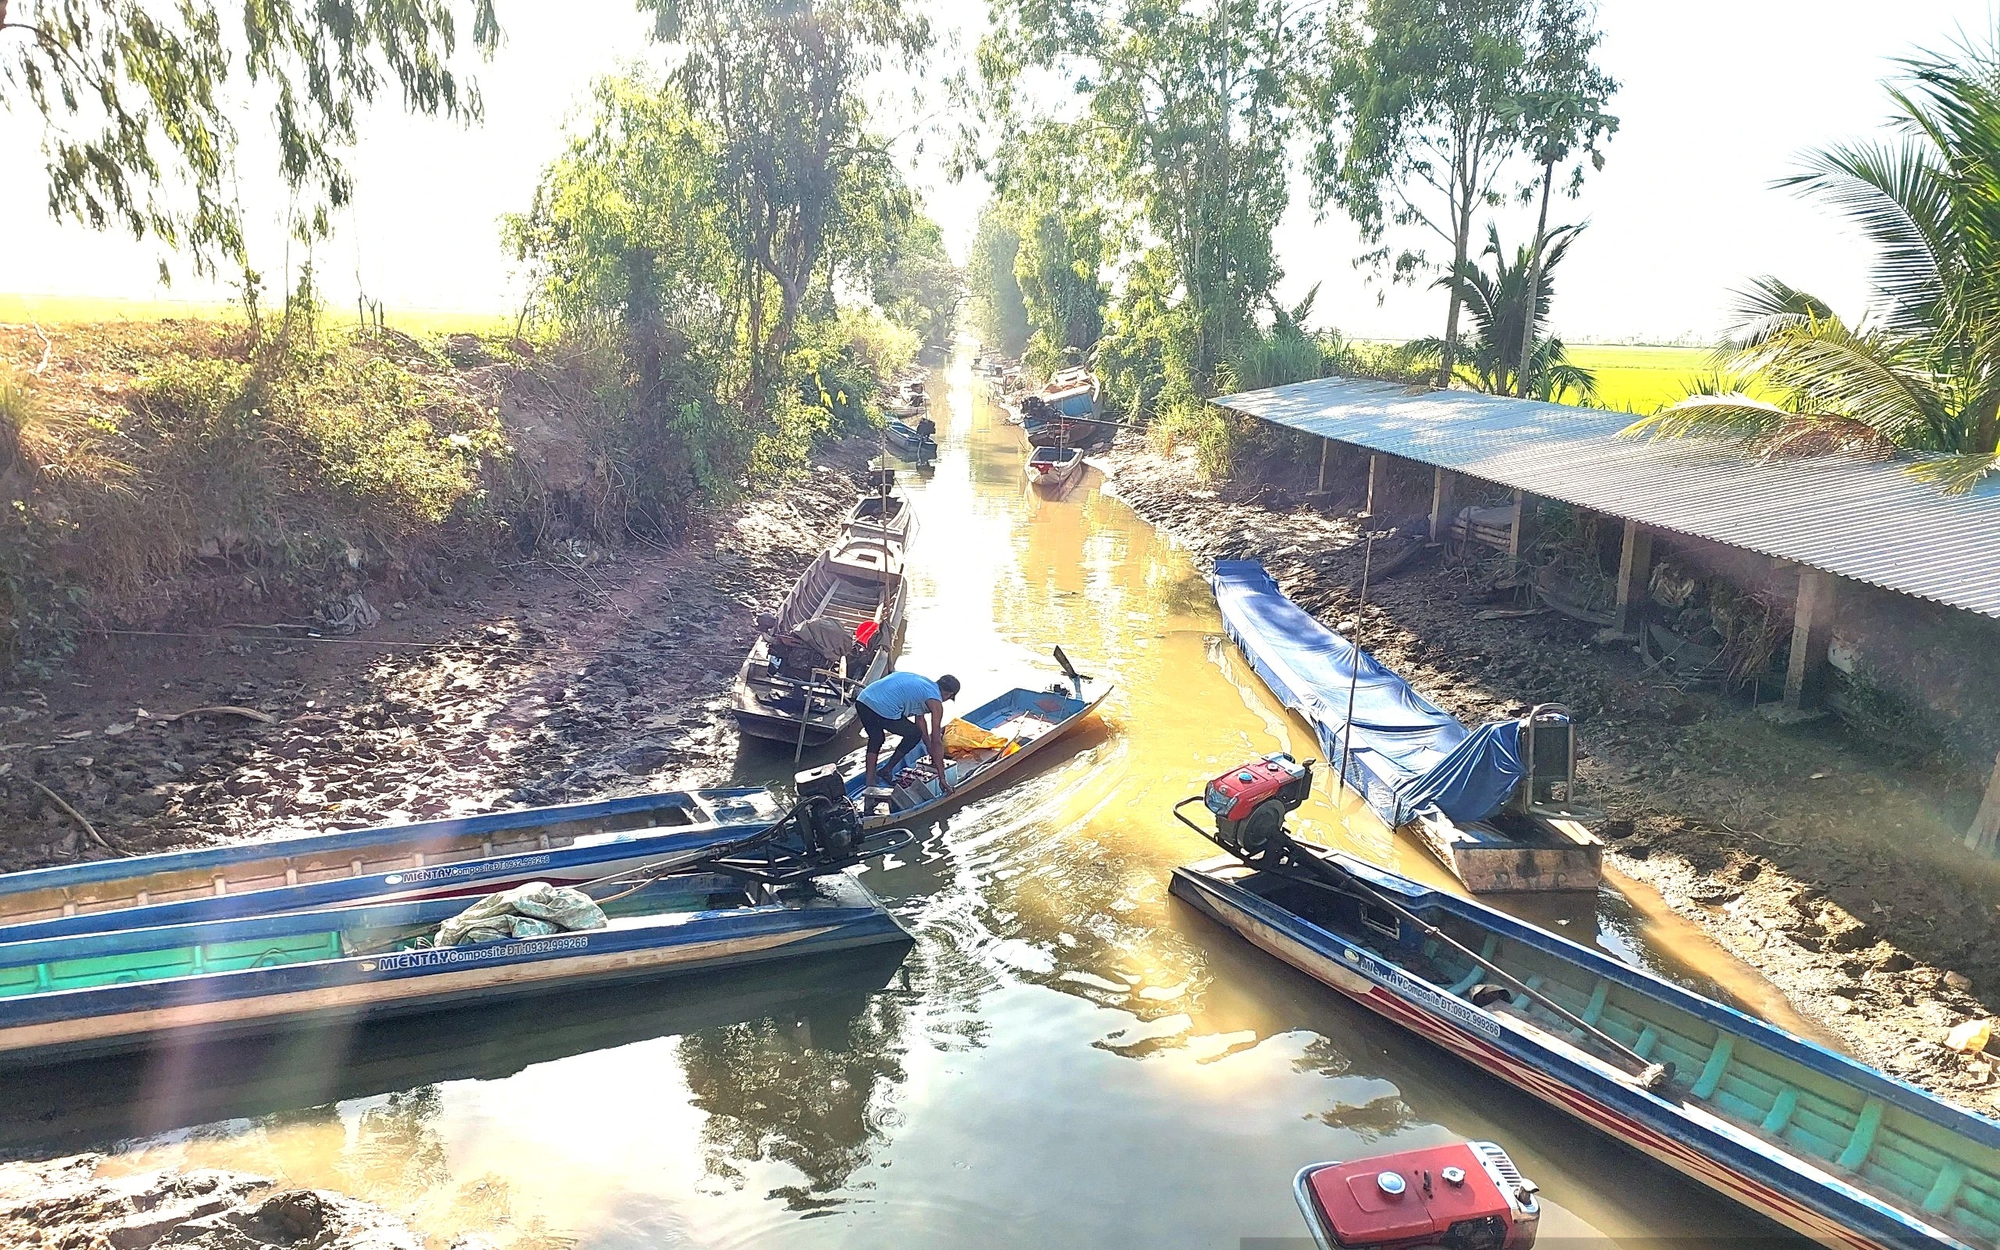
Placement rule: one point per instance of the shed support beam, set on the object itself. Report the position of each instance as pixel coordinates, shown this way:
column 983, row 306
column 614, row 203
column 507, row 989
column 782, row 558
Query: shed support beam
column 1325, row 445
column 1375, row 470
column 1527, row 519
column 1444, row 502
column 1635, row 575
column 1812, row 630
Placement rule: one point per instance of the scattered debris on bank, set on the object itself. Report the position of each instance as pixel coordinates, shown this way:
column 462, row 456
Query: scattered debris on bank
column 590, row 672
column 63, row 1204
column 1839, row 877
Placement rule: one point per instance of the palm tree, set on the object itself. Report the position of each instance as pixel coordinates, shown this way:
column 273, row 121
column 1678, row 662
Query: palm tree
column 1921, row 373
column 1498, row 304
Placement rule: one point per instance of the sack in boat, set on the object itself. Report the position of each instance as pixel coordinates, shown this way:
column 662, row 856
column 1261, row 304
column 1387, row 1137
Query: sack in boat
column 962, row 737
column 536, row 909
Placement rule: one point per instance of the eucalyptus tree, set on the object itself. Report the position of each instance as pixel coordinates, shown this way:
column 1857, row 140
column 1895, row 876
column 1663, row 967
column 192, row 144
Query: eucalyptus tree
column 781, row 83
column 998, row 310
column 1186, row 108
column 1562, row 119
column 1425, row 107
column 1921, row 372
column 133, row 96
column 1049, row 190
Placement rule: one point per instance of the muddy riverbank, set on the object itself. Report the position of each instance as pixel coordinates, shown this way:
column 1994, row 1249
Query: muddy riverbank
column 583, row 672
column 65, row 1204
column 1840, row 878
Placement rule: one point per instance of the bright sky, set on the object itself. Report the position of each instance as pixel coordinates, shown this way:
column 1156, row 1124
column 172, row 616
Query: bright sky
column 1719, row 96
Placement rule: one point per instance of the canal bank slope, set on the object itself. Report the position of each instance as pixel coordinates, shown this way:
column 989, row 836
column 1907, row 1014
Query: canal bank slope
column 582, row 672
column 1838, row 877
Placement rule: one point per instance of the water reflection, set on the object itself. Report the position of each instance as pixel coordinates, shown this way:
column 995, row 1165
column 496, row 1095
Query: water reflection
column 816, row 1094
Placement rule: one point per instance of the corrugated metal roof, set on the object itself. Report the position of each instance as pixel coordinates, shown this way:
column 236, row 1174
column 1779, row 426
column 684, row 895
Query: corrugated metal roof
column 1870, row 521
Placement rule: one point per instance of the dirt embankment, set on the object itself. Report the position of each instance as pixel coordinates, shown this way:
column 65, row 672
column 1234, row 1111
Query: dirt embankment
column 65, row 1205
column 590, row 672
column 1839, row 877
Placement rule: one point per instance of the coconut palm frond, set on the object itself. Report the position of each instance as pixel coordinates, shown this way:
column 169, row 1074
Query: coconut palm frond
column 1956, row 475
column 1823, row 435
column 1900, row 196
column 1767, row 307
column 1713, row 416
column 1875, row 379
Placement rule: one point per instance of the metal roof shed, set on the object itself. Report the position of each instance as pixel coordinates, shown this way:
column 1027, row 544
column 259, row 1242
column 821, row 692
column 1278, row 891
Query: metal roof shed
column 1865, row 520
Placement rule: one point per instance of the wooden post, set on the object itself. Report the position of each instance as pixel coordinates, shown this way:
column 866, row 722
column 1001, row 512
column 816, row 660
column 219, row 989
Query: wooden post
column 1527, row 520
column 1985, row 831
column 1635, row 575
column 1812, row 630
column 1444, row 502
column 1324, row 444
column 1374, row 475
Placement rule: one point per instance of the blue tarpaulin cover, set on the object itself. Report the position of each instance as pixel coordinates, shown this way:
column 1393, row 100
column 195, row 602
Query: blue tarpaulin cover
column 1405, row 755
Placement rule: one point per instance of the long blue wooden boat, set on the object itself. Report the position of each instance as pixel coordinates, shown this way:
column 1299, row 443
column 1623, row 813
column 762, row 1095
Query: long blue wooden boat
column 1824, row 1145
column 424, row 859
column 102, row 1101
column 1030, row 721
column 66, row 998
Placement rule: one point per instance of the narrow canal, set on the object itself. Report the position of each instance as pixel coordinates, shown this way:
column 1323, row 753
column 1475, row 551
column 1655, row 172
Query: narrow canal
column 1067, row 1058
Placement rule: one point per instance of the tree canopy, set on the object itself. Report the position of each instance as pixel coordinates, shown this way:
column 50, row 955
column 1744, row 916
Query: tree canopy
column 1423, row 108
column 137, row 133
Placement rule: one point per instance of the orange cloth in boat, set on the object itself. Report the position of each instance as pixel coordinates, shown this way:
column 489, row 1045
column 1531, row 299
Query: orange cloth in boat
column 962, row 737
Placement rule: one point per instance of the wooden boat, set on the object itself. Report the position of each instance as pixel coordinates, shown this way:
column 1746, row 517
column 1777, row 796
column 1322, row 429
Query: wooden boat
column 62, row 998
column 1054, row 469
column 1824, row 1145
column 859, row 581
column 1029, row 721
column 883, row 513
column 417, row 860
column 1492, row 803
column 910, row 441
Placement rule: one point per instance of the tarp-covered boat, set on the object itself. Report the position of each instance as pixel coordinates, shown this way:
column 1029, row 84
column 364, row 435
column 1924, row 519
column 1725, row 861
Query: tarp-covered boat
column 982, row 748
column 1822, row 1144
column 64, row 997
column 1412, row 762
column 418, row 860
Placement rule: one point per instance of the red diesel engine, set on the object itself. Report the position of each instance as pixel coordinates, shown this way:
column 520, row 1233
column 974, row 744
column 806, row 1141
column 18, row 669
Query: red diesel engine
column 1250, row 802
column 1465, row 1196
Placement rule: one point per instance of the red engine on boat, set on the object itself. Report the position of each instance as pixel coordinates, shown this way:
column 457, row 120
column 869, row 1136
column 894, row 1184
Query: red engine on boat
column 1465, row 1196
column 1250, row 802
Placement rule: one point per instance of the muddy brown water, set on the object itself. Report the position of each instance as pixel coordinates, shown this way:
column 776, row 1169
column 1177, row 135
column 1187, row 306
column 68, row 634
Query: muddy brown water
column 1067, row 1058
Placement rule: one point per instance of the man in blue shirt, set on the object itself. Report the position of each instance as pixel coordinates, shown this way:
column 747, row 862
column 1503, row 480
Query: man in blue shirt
column 911, row 706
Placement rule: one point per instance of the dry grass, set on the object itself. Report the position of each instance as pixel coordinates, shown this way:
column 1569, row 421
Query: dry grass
column 139, row 452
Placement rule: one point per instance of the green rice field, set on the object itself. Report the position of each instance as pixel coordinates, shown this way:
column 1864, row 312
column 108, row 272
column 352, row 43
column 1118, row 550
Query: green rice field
column 53, row 310
column 1641, row 379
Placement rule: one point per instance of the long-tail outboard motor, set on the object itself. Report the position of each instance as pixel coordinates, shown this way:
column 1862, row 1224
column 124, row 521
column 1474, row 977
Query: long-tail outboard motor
column 828, row 823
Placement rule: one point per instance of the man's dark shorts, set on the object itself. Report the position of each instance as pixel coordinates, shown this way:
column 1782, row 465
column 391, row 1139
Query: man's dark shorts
column 880, row 726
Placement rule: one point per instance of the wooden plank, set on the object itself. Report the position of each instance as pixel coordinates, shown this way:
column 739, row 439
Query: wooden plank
column 1812, row 631
column 1635, row 575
